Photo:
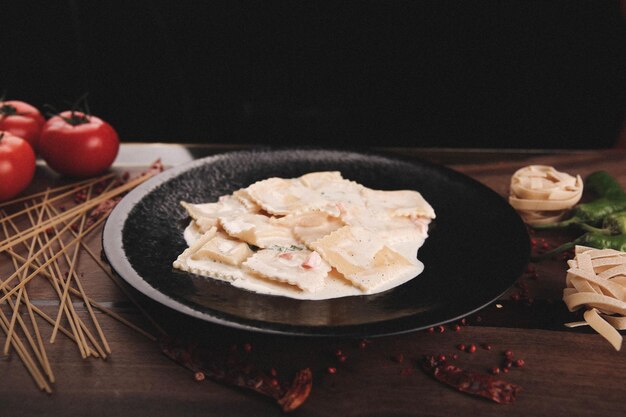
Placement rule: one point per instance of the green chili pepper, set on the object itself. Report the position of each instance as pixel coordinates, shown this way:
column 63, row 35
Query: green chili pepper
column 612, row 199
column 591, row 239
column 613, row 224
column 604, row 185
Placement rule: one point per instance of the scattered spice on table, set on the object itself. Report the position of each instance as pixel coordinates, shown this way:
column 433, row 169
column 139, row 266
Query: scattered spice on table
column 472, row 383
column 241, row 372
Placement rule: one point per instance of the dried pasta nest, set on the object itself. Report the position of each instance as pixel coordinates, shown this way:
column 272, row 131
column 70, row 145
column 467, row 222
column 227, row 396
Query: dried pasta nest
column 596, row 280
column 541, row 194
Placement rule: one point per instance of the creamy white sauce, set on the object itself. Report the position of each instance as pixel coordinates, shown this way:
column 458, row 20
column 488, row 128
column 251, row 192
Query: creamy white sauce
column 336, row 286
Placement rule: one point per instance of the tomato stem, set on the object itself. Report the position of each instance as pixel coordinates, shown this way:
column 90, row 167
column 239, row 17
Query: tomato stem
column 76, row 119
column 7, row 110
column 79, row 113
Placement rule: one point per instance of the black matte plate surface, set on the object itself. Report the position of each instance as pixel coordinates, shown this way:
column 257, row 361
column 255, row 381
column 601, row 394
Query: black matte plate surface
column 477, row 247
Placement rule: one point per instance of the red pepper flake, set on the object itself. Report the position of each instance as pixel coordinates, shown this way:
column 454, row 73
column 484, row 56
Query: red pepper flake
column 519, row 363
column 338, row 352
column 273, row 372
column 486, row 346
column 331, row 370
column 495, row 370
column 363, row 343
column 199, row 376
column 441, row 329
column 463, row 322
column 508, row 353
column 455, row 356
column 461, row 346
column 406, row 371
column 274, row 383
column 456, row 328
column 431, row 330
column 471, row 348
column 505, row 370
column 473, row 383
column 342, row 358
column 441, row 358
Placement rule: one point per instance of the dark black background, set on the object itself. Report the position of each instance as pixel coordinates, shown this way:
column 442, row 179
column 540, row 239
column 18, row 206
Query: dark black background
column 421, row 73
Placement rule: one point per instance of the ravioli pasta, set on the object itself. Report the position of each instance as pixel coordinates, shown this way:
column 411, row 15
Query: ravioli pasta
column 317, row 236
column 596, row 281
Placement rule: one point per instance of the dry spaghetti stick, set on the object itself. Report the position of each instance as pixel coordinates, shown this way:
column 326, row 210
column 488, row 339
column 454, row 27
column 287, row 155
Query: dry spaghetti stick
column 81, row 328
column 42, row 249
column 75, row 186
column 43, row 360
column 75, row 323
column 80, row 325
column 38, row 205
column 67, row 308
column 80, row 339
column 48, row 262
column 93, row 303
column 25, row 357
column 112, row 277
column 83, row 295
column 41, row 353
column 18, row 299
column 73, row 212
column 72, row 271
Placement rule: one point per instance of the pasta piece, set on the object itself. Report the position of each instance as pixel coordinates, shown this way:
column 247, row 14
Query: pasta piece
column 258, row 230
column 542, row 195
column 280, row 196
column 202, row 265
column 206, row 215
column 317, row 180
column 367, row 239
column 247, row 201
column 311, row 226
column 596, row 280
column 361, row 257
column 222, row 248
column 399, row 203
column 304, row 268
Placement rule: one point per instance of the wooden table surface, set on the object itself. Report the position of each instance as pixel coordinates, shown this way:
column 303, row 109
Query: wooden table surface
column 567, row 372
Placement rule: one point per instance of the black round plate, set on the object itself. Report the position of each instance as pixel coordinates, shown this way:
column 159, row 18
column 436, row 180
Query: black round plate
column 477, row 247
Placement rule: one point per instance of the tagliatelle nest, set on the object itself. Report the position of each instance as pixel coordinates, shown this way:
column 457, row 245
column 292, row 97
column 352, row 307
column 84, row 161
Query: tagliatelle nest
column 596, row 280
column 541, row 194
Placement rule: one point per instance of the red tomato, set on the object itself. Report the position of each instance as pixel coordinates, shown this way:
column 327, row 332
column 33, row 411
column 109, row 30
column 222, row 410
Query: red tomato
column 78, row 145
column 17, row 165
column 22, row 120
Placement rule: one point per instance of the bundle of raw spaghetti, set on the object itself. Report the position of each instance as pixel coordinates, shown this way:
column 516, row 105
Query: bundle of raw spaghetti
column 541, row 194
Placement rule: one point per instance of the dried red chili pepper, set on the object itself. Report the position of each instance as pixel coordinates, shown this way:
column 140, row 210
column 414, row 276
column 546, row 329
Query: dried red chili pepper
column 473, row 383
column 240, row 373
